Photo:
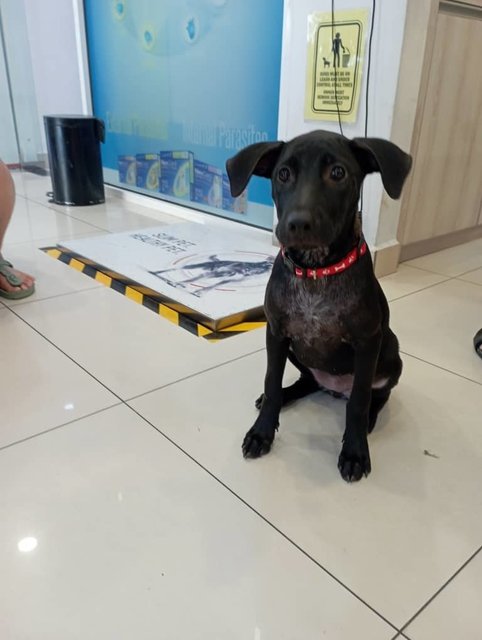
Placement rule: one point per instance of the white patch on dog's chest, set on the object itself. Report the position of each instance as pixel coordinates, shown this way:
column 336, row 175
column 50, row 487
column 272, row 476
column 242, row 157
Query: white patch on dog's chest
column 312, row 316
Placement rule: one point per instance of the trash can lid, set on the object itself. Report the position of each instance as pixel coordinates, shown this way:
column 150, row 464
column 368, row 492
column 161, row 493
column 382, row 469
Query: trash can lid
column 70, row 116
column 65, row 119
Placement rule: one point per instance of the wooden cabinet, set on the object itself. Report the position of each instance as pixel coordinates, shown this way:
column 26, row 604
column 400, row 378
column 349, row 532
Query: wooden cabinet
column 444, row 194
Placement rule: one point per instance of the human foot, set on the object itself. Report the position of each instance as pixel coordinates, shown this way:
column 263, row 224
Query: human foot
column 14, row 284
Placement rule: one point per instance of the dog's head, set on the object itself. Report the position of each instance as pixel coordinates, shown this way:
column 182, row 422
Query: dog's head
column 316, row 180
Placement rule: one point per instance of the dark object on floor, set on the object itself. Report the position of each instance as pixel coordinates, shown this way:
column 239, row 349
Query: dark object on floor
column 73, row 144
column 426, row 452
column 478, row 343
column 326, row 311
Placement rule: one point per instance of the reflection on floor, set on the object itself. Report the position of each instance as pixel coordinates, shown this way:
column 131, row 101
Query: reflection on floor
column 127, row 510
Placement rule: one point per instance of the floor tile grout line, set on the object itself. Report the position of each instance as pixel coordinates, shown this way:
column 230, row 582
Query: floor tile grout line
column 262, row 517
column 64, row 213
column 48, row 205
column 438, row 366
column 412, row 266
column 38, row 332
column 435, row 284
column 38, row 242
column 21, row 303
column 121, row 400
column 477, row 284
column 59, row 426
column 193, row 375
column 116, row 395
column 407, row 295
column 442, row 588
column 469, row 271
column 466, row 273
column 73, row 217
column 89, row 373
column 437, row 273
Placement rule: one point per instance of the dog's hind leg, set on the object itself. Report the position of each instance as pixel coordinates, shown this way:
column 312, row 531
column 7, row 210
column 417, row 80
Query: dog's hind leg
column 379, row 400
column 393, row 365
column 304, row 386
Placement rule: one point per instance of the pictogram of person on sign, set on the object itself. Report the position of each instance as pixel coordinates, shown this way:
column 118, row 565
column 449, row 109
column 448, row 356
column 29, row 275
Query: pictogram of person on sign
column 337, row 43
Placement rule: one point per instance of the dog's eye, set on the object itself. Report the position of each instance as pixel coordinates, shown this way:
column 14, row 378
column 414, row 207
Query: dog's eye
column 337, row 173
column 284, row 174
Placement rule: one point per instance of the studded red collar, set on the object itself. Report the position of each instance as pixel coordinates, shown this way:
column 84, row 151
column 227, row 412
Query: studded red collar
column 329, row 270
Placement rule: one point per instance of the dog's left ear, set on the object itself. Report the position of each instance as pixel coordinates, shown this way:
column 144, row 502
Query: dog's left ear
column 375, row 154
column 258, row 159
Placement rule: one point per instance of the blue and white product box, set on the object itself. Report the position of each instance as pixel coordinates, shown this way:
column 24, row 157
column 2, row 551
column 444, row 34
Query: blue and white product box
column 208, row 184
column 177, row 174
column 127, row 170
column 236, row 205
column 148, row 167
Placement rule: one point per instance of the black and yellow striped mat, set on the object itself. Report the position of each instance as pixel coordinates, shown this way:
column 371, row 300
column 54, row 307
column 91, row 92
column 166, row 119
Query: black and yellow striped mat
column 176, row 313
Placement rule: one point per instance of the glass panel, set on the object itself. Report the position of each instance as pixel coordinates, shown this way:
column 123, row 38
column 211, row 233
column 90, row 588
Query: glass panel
column 22, row 87
column 8, row 139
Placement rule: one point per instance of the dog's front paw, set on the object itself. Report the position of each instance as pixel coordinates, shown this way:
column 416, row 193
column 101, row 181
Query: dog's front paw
column 257, row 443
column 354, row 463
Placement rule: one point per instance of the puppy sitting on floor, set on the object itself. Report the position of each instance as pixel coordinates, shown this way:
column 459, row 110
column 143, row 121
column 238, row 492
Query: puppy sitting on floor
column 326, row 311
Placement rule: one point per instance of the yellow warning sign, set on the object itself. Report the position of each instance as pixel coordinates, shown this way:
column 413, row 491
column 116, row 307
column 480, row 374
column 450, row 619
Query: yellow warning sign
column 335, row 60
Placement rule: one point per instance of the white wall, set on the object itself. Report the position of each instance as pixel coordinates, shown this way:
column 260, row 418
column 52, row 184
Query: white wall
column 386, row 49
column 41, row 38
column 55, row 61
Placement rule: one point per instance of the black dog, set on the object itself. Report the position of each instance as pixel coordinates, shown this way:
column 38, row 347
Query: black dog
column 326, row 311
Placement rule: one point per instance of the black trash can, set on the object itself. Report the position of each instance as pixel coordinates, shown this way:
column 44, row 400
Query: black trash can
column 73, row 144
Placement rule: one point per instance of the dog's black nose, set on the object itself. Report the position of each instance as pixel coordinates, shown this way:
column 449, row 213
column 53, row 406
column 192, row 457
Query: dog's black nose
column 298, row 223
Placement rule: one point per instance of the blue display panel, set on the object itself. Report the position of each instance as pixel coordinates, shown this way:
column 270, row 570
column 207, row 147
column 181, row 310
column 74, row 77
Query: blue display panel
column 182, row 85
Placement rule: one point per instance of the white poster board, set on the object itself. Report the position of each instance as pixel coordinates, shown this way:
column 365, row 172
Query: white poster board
column 215, row 273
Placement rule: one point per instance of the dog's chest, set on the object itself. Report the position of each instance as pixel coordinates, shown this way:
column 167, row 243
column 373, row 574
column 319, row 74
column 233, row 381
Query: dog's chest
column 314, row 312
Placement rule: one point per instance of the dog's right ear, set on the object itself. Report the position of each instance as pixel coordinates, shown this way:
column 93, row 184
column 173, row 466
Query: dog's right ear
column 258, row 159
column 375, row 154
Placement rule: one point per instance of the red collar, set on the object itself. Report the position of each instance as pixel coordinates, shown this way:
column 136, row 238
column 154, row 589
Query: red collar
column 330, row 270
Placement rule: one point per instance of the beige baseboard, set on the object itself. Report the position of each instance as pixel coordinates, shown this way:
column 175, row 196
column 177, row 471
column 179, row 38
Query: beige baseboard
column 423, row 247
column 386, row 259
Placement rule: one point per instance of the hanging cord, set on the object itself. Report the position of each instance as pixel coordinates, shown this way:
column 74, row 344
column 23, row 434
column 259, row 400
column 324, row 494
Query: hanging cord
column 367, row 93
column 334, row 64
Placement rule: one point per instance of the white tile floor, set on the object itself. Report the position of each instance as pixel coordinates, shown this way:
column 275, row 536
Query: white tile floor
column 120, row 463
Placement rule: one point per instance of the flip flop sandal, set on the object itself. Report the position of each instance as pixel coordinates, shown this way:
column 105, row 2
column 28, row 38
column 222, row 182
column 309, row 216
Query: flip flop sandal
column 478, row 343
column 12, row 279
